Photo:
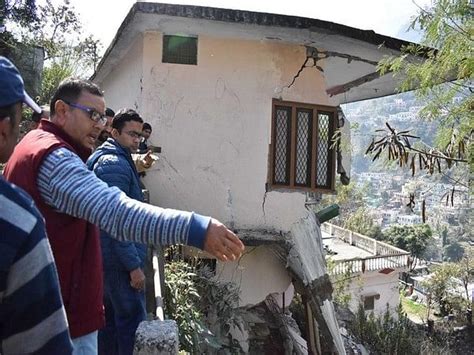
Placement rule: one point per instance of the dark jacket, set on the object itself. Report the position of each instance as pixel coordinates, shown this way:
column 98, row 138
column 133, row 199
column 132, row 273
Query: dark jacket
column 74, row 242
column 143, row 146
column 113, row 164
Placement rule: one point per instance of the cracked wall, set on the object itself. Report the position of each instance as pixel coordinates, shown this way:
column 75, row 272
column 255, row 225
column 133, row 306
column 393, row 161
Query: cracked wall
column 213, row 123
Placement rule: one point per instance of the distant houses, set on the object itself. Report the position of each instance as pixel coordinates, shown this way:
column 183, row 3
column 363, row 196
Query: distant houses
column 389, row 195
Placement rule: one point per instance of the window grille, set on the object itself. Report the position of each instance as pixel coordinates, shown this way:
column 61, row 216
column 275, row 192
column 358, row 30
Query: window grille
column 179, row 49
column 282, row 145
column 304, row 119
column 369, row 303
column 301, row 154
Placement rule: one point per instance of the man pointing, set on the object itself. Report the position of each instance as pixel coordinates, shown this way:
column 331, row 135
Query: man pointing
column 49, row 164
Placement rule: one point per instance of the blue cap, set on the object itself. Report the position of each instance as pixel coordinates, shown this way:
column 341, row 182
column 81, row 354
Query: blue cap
column 12, row 88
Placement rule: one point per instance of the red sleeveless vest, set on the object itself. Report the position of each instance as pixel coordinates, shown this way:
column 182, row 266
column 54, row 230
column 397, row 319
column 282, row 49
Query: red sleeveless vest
column 75, row 242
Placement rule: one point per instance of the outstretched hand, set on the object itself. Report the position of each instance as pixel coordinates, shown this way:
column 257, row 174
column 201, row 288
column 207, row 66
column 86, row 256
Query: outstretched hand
column 222, row 243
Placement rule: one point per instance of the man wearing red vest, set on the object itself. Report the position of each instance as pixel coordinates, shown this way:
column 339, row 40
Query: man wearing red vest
column 32, row 316
column 49, row 164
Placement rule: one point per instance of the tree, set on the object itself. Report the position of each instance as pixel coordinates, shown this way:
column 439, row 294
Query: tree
column 53, row 75
column 410, row 238
column 20, row 12
column 447, row 44
column 349, row 198
column 441, row 287
column 466, row 269
column 437, row 287
column 443, row 284
column 385, row 197
column 58, row 30
column 433, row 252
column 361, row 222
column 453, row 252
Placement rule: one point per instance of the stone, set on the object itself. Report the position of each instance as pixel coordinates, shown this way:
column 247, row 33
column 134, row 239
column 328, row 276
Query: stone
column 344, row 332
column 156, row 338
column 261, row 331
column 363, row 350
column 344, row 314
column 249, row 317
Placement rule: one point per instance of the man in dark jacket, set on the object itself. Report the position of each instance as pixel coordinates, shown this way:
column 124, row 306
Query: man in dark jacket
column 109, row 114
column 124, row 279
column 144, row 144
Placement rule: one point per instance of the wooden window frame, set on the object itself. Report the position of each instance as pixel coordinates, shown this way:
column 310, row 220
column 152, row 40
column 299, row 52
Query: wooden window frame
column 369, row 300
column 313, row 137
column 369, row 303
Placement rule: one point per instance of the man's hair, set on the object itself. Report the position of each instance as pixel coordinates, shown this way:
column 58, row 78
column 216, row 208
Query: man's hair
column 146, row 126
column 70, row 89
column 36, row 117
column 8, row 111
column 109, row 112
column 125, row 115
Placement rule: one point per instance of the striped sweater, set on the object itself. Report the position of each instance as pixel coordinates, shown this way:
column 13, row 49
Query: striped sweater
column 67, row 185
column 32, row 316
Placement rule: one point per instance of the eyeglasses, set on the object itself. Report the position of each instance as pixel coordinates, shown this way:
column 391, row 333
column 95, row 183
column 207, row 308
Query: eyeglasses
column 134, row 134
column 93, row 114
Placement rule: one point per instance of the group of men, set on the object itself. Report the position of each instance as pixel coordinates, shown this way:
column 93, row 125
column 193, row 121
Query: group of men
column 47, row 177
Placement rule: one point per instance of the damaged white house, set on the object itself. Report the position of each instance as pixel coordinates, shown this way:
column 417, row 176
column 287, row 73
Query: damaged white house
column 244, row 106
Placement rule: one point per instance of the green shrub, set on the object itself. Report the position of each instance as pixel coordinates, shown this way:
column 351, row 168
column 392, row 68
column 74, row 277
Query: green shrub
column 205, row 309
column 182, row 305
column 386, row 334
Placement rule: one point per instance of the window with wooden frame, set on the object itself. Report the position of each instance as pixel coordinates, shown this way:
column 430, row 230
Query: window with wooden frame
column 179, row 49
column 369, row 301
column 300, row 154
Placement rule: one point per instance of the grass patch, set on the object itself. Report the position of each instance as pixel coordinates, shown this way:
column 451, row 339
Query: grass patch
column 413, row 308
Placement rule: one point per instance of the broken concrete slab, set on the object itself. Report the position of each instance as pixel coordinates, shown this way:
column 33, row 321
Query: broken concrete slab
column 257, row 237
column 292, row 341
column 305, row 260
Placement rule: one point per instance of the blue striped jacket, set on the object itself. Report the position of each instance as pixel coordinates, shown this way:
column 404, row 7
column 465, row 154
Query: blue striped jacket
column 32, row 315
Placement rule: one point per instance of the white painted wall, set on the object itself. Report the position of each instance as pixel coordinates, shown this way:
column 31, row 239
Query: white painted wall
column 122, row 87
column 257, row 274
column 213, row 122
column 371, row 283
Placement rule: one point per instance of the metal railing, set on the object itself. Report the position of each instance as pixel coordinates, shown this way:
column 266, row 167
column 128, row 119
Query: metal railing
column 384, row 256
